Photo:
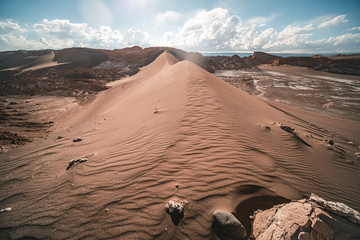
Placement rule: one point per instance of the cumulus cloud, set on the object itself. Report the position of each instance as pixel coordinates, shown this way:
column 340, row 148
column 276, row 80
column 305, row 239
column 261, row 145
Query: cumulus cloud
column 206, row 30
column 10, row 27
column 136, row 37
column 354, row 29
column 61, row 28
column 217, row 29
column 164, row 17
column 333, row 22
column 211, row 29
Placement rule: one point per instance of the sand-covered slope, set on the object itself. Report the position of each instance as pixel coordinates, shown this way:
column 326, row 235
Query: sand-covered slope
column 21, row 61
column 173, row 131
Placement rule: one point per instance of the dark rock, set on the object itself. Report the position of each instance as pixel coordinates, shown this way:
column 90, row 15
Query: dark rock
column 175, row 209
column 227, row 226
column 73, row 161
column 287, row 128
column 292, row 131
column 78, row 139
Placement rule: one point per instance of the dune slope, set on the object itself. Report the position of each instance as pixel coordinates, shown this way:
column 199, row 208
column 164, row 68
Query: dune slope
column 172, row 131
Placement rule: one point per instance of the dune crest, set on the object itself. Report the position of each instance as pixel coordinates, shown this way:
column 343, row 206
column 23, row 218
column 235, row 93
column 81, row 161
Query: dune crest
column 172, row 131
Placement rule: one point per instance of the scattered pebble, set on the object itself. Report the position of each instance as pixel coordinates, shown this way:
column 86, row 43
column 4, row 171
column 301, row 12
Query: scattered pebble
column 78, row 139
column 6, row 209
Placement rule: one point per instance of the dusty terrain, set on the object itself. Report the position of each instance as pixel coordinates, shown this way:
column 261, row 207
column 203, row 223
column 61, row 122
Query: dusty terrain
column 173, row 131
column 25, row 118
column 332, row 94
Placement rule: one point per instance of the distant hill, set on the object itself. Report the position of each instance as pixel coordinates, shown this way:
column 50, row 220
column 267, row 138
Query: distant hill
column 77, row 71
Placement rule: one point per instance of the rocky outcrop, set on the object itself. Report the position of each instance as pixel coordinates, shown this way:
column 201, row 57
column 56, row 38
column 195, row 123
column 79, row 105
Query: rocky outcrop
column 313, row 218
column 264, row 58
column 342, row 65
column 227, row 226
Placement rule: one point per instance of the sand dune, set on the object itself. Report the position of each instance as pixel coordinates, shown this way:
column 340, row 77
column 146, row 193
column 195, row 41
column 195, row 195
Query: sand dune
column 28, row 61
column 172, row 124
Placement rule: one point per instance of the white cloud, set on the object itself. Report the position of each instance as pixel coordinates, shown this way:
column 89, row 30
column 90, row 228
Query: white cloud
column 206, row 30
column 209, row 29
column 164, row 17
column 9, row 27
column 333, row 22
column 61, row 28
column 217, row 29
column 135, row 37
column 354, row 29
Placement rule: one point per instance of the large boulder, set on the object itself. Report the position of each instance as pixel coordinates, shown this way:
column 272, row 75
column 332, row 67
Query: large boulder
column 306, row 219
column 227, row 226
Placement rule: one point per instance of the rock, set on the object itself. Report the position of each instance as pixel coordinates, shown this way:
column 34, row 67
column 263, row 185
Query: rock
column 175, row 209
column 283, row 221
column 292, row 131
column 5, row 209
column 286, row 128
column 337, row 208
column 320, row 228
column 306, row 219
column 73, row 161
column 78, row 139
column 227, row 226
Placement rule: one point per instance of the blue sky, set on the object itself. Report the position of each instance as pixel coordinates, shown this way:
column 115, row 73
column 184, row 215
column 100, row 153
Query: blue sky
column 198, row 25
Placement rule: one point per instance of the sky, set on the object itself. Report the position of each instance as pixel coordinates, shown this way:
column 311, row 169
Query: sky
column 278, row 26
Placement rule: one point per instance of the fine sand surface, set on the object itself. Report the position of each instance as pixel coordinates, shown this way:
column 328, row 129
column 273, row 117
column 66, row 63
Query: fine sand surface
column 172, row 124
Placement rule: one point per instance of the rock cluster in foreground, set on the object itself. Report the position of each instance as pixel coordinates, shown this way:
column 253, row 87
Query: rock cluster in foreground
column 313, row 218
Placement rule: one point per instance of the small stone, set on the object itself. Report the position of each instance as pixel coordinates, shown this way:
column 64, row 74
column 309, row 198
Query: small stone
column 331, row 142
column 227, row 226
column 5, row 209
column 78, row 139
column 177, row 185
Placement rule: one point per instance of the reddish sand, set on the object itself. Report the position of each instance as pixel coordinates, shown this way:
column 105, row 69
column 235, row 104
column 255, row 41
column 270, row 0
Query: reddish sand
column 220, row 145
